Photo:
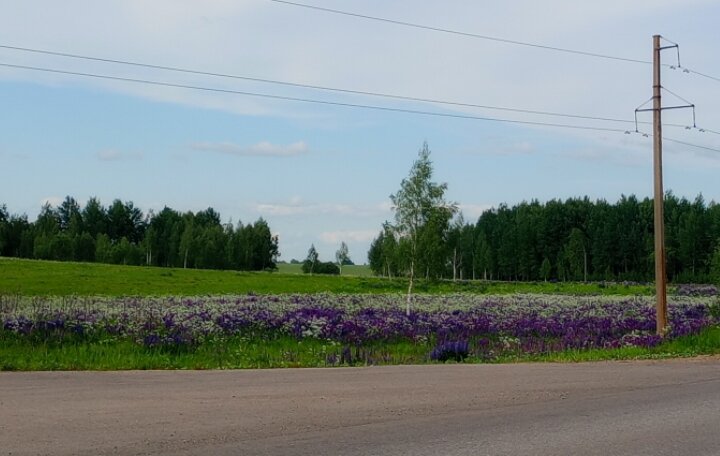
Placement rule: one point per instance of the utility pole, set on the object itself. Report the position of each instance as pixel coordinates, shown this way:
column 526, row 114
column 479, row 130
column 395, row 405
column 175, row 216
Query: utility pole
column 659, row 198
column 661, row 322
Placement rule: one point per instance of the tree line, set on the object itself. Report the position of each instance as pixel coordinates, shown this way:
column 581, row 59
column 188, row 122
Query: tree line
column 122, row 234
column 577, row 239
column 572, row 240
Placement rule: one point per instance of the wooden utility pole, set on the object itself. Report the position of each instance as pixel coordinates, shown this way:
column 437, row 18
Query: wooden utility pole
column 659, row 198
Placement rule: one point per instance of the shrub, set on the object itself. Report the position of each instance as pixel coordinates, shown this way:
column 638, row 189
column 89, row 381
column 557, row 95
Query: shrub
column 455, row 350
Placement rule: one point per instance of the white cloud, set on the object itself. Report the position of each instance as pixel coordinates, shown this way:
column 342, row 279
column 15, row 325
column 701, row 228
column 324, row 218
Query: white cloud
column 54, row 201
column 117, row 155
column 473, row 211
column 388, row 59
column 261, row 149
column 502, row 148
column 335, row 237
column 304, row 209
column 296, row 206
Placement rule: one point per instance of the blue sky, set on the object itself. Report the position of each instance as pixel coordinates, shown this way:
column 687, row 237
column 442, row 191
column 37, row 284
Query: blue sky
column 323, row 174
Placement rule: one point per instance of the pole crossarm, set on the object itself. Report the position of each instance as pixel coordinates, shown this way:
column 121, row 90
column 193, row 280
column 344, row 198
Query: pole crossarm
column 664, row 108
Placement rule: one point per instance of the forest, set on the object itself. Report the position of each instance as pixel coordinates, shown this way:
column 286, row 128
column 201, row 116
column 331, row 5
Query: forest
column 573, row 240
column 122, row 234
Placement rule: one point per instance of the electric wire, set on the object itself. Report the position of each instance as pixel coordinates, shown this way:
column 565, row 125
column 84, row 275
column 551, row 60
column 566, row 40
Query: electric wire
column 309, row 100
column 494, row 38
column 326, row 88
column 457, row 32
column 690, row 144
column 312, row 86
column 677, row 141
column 342, row 104
column 704, row 75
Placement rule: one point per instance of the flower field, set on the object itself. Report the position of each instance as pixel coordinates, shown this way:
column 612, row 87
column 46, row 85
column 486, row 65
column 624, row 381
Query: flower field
column 355, row 329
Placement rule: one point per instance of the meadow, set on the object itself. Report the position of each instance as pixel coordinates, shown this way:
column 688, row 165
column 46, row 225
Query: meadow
column 261, row 331
column 50, row 278
column 60, row 316
column 357, row 270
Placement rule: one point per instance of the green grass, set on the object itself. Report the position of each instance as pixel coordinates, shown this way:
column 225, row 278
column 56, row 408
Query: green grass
column 20, row 354
column 705, row 343
column 355, row 270
column 49, row 278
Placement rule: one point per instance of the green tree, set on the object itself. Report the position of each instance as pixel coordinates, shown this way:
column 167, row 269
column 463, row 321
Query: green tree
column 310, row 261
column 84, row 247
column 342, row 256
column 715, row 266
column 94, row 217
column 188, row 240
column 575, row 256
column 103, row 249
column 384, row 252
column 545, row 269
column 419, row 202
column 70, row 216
column 4, row 218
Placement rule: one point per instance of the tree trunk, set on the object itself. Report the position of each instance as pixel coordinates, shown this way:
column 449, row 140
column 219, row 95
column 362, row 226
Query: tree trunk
column 185, row 259
column 410, row 286
column 455, row 264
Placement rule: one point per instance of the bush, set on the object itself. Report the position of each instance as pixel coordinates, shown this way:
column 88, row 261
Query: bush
column 451, row 350
column 320, row 268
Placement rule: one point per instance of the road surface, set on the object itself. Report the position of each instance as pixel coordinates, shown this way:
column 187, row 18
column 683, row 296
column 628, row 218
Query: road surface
column 609, row 408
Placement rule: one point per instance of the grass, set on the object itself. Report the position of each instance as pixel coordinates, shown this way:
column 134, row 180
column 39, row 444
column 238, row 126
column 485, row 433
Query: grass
column 24, row 355
column 49, row 278
column 705, row 343
column 355, row 270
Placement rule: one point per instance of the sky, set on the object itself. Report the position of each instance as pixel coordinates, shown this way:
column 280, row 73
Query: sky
column 322, row 174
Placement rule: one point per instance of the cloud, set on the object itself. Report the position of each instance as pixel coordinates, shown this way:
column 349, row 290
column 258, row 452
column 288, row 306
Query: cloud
column 261, row 149
column 503, row 149
column 54, row 201
column 108, row 155
column 296, row 206
column 472, row 211
column 335, row 237
column 304, row 209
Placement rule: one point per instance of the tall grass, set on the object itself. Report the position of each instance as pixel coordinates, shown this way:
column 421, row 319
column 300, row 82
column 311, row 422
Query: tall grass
column 23, row 355
column 49, row 278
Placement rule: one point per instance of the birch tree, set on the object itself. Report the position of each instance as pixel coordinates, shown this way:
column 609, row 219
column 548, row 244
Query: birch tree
column 418, row 201
column 342, row 255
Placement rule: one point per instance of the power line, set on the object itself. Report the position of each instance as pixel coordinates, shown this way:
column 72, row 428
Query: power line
column 310, row 100
column 493, row 38
column 677, row 141
column 704, row 75
column 315, row 87
column 665, row 138
column 326, row 88
column 348, row 105
column 466, row 34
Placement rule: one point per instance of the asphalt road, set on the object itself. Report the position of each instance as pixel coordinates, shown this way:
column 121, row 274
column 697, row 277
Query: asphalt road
column 622, row 408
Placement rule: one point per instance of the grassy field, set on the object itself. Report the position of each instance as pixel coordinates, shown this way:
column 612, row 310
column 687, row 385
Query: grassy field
column 356, row 270
column 49, row 278
column 31, row 278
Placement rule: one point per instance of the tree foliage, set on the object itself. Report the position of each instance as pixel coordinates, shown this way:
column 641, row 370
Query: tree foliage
column 422, row 219
column 576, row 239
column 122, row 234
column 342, row 256
column 313, row 265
